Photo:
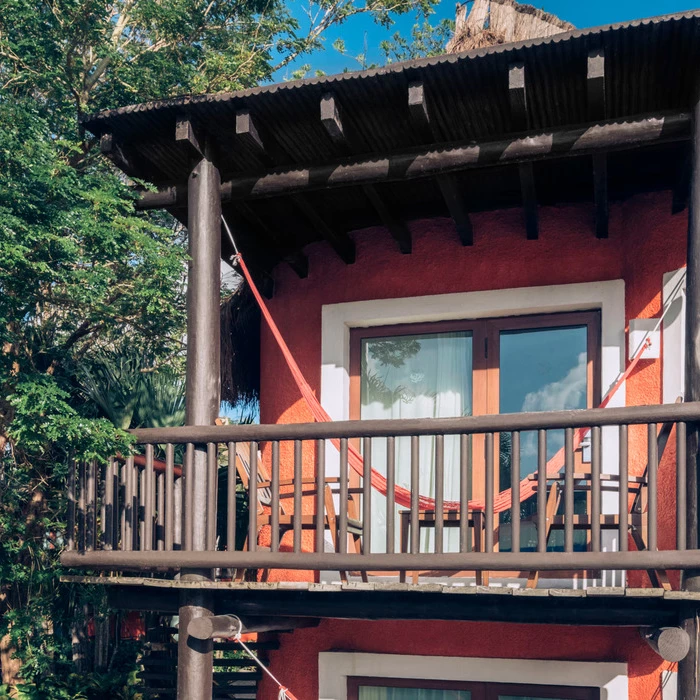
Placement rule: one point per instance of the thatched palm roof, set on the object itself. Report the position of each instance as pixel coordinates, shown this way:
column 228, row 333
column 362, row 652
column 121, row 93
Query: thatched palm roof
column 492, row 22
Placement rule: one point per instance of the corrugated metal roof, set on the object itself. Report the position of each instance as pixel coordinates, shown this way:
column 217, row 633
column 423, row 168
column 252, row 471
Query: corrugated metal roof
column 650, row 67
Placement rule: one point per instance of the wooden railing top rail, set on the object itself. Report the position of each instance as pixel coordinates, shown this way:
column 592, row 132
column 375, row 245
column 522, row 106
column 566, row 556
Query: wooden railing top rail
column 546, row 420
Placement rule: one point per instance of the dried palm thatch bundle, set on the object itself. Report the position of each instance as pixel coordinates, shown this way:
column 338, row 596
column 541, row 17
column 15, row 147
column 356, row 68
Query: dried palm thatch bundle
column 500, row 22
column 240, row 348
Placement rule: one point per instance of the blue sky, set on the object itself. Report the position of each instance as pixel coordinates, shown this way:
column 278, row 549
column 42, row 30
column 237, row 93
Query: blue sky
column 361, row 31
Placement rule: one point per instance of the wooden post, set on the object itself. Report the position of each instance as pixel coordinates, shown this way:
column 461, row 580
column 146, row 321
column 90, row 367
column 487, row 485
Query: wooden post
column 194, row 678
column 689, row 667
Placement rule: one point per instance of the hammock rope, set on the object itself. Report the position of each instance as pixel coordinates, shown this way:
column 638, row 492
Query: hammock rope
column 402, row 495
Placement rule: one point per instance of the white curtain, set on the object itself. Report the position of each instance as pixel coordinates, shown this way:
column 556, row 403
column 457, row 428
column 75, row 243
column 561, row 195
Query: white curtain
column 430, row 378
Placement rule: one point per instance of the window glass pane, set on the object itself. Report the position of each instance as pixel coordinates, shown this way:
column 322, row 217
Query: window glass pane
column 425, row 375
column 377, row 693
column 543, row 369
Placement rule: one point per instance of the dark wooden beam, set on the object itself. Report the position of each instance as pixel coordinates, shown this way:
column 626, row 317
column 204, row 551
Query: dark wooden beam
column 688, row 685
column 247, row 132
column 518, row 95
column 331, row 118
column 529, row 195
column 434, row 160
column 112, row 150
column 297, row 260
column 595, row 84
column 418, row 105
column 681, row 188
column 397, row 227
column 454, row 199
column 187, row 137
column 600, row 194
column 341, row 243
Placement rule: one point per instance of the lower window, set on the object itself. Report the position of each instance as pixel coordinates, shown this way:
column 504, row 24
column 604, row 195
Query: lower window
column 412, row 689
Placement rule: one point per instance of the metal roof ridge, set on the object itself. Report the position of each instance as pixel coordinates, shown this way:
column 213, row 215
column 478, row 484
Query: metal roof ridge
column 400, row 67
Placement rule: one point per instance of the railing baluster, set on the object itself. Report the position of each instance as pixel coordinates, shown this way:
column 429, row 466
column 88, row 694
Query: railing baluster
column 367, row 493
column 275, row 499
column 108, row 506
column 515, row 490
column 343, row 499
column 652, row 509
column 147, row 536
column 212, row 493
column 595, row 488
column 187, row 511
column 102, row 474
column 298, row 489
column 123, row 501
column 169, row 522
column 439, row 492
column 127, row 536
column 569, row 490
column 231, row 501
column 464, row 541
column 253, row 499
column 320, row 486
column 624, row 505
column 542, row 490
column 70, row 534
column 141, row 512
column 681, row 503
column 90, row 506
column 390, row 494
column 488, row 524
column 132, row 514
column 415, row 492
column 160, row 511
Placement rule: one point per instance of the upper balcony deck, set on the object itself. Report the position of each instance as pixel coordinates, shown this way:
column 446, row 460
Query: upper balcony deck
column 608, row 505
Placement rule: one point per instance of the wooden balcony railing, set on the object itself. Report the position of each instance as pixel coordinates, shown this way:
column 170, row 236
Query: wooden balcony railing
column 306, row 511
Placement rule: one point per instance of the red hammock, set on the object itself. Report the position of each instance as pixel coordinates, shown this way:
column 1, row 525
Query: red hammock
column 402, row 496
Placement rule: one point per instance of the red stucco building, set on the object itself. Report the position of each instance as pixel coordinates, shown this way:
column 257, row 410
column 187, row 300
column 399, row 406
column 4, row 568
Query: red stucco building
column 465, row 256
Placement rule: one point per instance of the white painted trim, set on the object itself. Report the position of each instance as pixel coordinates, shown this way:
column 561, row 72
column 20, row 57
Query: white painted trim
column 673, row 357
column 334, row 668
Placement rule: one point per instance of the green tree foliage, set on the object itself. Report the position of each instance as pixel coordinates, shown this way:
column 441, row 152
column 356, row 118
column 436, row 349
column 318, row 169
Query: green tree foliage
column 91, row 292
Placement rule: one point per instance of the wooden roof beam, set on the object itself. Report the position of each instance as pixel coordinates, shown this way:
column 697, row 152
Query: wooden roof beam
column 454, row 199
column 247, row 132
column 397, row 227
column 341, row 243
column 110, row 148
column 595, row 84
column 446, row 158
column 297, row 260
column 331, row 118
column 188, row 137
column 529, row 195
column 449, row 188
column 518, row 95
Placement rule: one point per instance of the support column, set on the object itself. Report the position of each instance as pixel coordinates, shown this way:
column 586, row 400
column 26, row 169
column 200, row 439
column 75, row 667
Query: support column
column 688, row 668
column 194, row 675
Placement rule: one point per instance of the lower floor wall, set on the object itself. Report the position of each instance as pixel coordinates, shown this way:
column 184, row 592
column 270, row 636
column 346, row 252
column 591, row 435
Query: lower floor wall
column 615, row 659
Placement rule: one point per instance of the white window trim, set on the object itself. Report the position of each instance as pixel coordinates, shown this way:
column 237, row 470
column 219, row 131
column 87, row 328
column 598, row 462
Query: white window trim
column 334, row 669
column 338, row 319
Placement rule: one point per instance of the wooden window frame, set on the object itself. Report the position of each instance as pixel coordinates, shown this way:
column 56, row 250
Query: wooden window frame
column 485, row 359
column 478, row 690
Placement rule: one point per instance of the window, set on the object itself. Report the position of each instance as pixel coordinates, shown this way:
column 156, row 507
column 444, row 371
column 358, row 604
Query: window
column 403, row 689
column 462, row 368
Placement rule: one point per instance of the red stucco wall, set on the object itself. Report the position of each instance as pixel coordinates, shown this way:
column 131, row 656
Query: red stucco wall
column 645, row 242
column 296, row 661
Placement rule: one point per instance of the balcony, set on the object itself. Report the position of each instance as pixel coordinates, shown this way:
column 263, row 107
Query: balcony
column 266, row 502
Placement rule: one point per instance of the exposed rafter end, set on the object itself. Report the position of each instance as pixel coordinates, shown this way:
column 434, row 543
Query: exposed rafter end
column 247, row 132
column 397, row 228
column 341, row 243
column 113, row 151
column 595, row 84
column 187, row 136
column 457, row 208
column 331, row 118
column 518, row 95
column 529, row 195
column 299, row 263
column 600, row 194
column 418, row 106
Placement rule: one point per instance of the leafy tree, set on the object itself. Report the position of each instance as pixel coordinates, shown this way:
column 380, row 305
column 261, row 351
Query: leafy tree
column 84, row 279
column 426, row 40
